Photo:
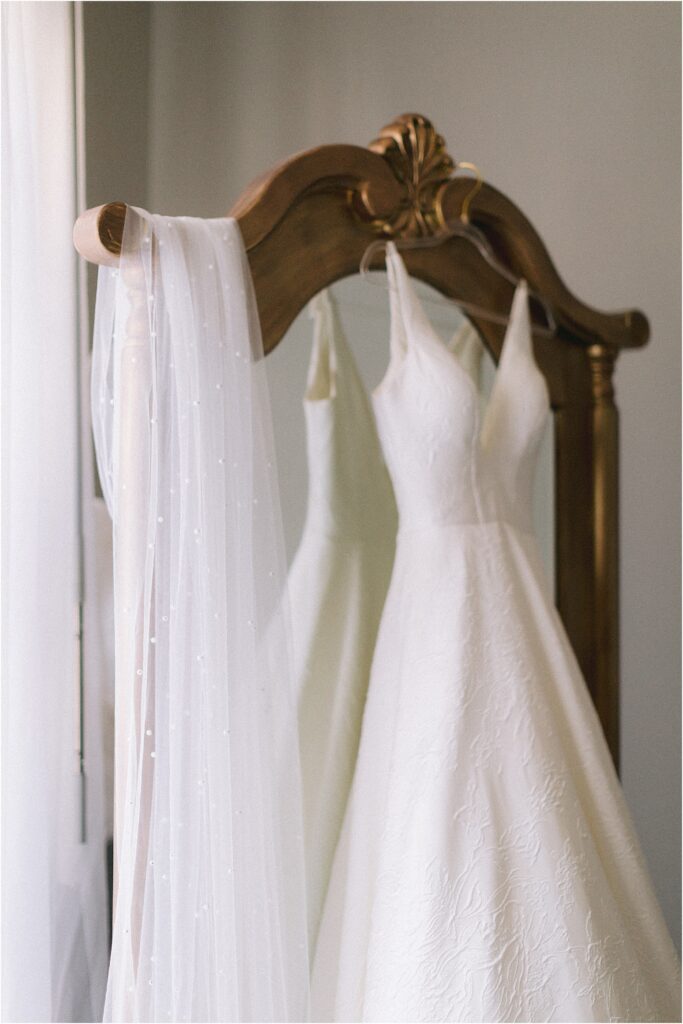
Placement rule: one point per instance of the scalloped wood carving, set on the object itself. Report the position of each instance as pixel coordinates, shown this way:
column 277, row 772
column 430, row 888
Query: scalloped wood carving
column 417, row 155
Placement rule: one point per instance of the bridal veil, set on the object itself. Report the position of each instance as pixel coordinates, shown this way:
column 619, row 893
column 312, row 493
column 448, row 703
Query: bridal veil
column 209, row 903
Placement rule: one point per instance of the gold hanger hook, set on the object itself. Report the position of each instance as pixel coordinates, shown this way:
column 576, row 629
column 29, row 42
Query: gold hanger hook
column 465, row 210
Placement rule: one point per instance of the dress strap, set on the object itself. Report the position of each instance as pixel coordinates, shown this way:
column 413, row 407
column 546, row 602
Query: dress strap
column 321, row 381
column 518, row 332
column 398, row 342
column 408, row 318
column 517, row 377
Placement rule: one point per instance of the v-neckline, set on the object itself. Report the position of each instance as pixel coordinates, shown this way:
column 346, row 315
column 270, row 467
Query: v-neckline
column 406, row 305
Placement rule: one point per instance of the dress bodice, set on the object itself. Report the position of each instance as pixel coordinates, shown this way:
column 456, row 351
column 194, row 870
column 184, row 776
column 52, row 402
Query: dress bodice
column 350, row 492
column 448, row 462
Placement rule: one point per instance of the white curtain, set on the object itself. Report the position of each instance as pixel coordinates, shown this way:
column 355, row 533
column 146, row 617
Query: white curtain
column 54, row 900
column 209, row 910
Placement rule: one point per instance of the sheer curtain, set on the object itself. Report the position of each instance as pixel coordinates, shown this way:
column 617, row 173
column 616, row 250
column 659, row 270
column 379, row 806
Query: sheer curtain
column 54, row 901
column 209, row 910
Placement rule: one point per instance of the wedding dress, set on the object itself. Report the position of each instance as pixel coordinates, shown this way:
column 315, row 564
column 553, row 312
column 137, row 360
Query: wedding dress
column 487, row 868
column 339, row 579
column 337, row 586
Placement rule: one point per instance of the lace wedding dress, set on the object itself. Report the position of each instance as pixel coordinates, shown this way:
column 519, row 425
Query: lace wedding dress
column 487, row 868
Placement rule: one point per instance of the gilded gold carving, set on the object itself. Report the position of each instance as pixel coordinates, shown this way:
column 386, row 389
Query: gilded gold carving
column 418, row 158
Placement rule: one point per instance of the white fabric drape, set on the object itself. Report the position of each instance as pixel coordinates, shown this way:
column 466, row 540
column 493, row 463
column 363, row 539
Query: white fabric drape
column 209, row 911
column 54, row 897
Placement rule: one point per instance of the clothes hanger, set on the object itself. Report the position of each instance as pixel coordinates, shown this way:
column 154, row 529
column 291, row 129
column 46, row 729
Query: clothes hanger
column 462, row 228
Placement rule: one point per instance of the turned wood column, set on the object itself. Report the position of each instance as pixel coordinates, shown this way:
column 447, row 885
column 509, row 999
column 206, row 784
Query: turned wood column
column 587, row 541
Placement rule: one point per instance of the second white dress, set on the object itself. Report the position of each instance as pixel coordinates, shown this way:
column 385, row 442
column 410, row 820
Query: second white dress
column 337, row 586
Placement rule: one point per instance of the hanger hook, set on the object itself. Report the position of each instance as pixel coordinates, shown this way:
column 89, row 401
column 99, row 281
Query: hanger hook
column 465, row 209
column 368, row 255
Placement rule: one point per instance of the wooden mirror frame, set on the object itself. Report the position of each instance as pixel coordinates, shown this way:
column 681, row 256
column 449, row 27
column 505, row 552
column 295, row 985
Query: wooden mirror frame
column 307, row 223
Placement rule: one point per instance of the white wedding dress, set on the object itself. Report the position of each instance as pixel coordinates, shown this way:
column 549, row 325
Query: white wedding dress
column 487, row 868
column 337, row 587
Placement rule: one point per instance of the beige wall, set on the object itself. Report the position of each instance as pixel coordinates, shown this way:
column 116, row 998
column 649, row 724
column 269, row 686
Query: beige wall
column 571, row 109
column 116, row 61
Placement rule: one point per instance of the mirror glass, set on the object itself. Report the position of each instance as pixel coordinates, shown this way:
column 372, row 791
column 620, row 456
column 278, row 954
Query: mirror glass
column 363, row 306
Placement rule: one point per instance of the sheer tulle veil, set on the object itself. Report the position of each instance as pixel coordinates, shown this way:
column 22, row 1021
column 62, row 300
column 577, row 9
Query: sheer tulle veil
column 209, row 905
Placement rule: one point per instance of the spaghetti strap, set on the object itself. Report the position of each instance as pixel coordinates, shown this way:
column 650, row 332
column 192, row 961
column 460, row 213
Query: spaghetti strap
column 398, row 338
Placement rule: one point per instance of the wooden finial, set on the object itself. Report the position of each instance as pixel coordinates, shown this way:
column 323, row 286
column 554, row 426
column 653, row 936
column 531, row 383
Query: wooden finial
column 98, row 233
